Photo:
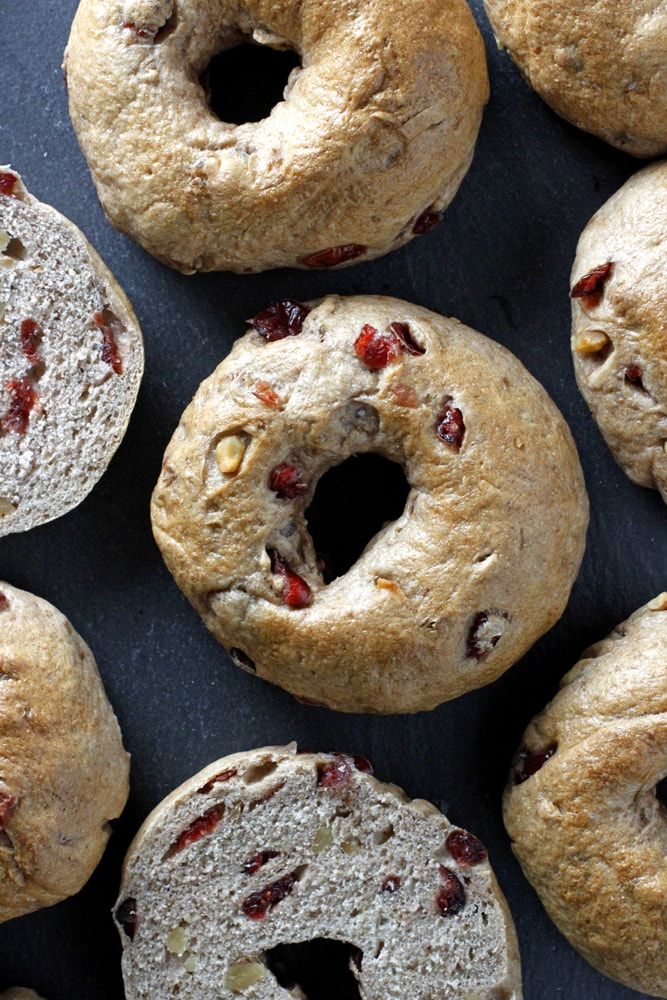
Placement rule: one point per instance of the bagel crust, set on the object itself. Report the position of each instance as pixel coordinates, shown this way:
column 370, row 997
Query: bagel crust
column 370, row 144
column 602, row 66
column 582, row 810
column 619, row 333
column 64, row 771
column 442, row 600
column 273, row 846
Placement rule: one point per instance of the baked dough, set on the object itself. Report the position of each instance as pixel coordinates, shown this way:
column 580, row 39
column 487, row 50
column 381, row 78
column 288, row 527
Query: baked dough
column 64, row 772
column 271, row 847
column 619, row 324
column 369, row 146
column 582, row 810
column 602, row 65
column 71, row 360
column 445, row 598
column 19, row 994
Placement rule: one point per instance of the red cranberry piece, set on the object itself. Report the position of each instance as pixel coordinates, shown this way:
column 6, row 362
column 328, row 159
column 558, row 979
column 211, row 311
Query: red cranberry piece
column 7, row 806
column 408, row 342
column 452, row 896
column 465, row 848
column 267, row 395
column 285, row 481
column 362, row 764
column 201, row 827
column 282, row 319
column 23, row 400
column 590, row 288
column 634, row 376
column 527, row 764
column 110, row 353
column 31, row 339
column 258, row 904
column 335, row 772
column 333, row 256
column 4, row 603
column 427, row 220
column 146, row 32
column 485, row 633
column 223, row 776
column 391, row 884
column 8, row 183
column 450, row 426
column 295, row 593
column 127, row 916
column 253, row 865
column 376, row 350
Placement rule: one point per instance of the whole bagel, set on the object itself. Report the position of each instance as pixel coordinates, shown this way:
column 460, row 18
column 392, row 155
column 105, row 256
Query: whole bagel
column 63, row 770
column 582, row 810
column 602, row 65
column 444, row 599
column 370, row 144
column 619, row 324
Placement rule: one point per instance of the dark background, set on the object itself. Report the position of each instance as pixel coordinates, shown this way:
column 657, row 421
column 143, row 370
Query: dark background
column 500, row 262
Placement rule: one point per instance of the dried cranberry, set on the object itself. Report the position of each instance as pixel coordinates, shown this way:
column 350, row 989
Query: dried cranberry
column 7, row 806
column 450, row 426
column 253, row 865
column 427, row 220
column 376, row 350
column 452, row 896
column 634, row 376
column 127, row 916
column 282, row 319
column 285, row 481
column 8, row 183
column 527, row 763
column 335, row 772
column 392, row 883
column 362, row 764
column 199, row 828
column 408, row 342
column 465, row 848
column 333, row 256
column 31, row 339
column 110, row 353
column 485, row 633
column 148, row 32
column 4, row 603
column 590, row 288
column 295, row 593
column 258, row 904
column 266, row 394
column 23, row 399
column 216, row 779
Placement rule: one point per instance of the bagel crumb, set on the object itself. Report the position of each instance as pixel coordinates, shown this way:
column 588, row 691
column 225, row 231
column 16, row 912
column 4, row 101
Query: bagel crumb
column 229, row 454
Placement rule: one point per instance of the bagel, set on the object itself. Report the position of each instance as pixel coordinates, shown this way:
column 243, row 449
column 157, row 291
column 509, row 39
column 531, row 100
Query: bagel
column 601, row 66
column 19, row 994
column 581, row 807
column 368, row 147
column 270, row 847
column 71, row 360
column 64, row 771
column 444, row 599
column 619, row 324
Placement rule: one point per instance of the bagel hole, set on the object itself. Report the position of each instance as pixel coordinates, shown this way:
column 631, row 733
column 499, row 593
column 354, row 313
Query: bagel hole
column 352, row 502
column 321, row 968
column 244, row 83
column 661, row 792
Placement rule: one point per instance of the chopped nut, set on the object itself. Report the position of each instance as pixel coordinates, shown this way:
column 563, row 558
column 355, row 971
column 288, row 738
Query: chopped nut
column 351, row 846
column 519, row 443
column 591, row 342
column 322, row 840
column 190, row 964
column 6, row 507
column 384, row 584
column 176, row 941
column 658, row 603
column 242, row 974
column 229, row 454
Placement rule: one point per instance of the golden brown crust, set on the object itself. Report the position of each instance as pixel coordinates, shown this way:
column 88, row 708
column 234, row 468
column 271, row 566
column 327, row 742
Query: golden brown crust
column 379, row 126
column 64, row 771
column 587, row 827
column 602, row 66
column 619, row 343
column 480, row 526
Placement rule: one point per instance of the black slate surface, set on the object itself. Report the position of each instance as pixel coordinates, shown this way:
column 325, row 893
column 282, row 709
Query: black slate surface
column 500, row 262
